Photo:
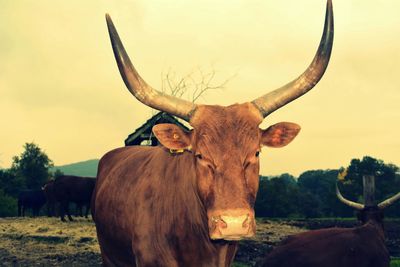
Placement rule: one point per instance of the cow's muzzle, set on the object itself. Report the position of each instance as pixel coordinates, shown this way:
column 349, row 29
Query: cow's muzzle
column 232, row 224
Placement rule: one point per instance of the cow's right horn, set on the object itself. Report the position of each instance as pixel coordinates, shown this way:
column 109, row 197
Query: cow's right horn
column 389, row 201
column 139, row 88
column 352, row 204
column 276, row 99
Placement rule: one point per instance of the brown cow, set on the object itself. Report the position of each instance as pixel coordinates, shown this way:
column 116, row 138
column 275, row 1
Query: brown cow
column 156, row 208
column 51, row 201
column 362, row 246
column 68, row 188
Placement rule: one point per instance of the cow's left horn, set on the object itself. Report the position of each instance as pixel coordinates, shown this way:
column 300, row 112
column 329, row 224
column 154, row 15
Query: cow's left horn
column 389, row 201
column 139, row 88
column 352, row 204
column 272, row 101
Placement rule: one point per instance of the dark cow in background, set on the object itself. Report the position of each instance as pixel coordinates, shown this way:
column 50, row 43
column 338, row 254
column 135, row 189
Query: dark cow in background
column 51, row 201
column 32, row 199
column 68, row 188
column 362, row 246
column 156, row 208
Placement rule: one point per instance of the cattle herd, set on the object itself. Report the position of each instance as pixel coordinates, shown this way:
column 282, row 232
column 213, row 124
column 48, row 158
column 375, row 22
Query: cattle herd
column 59, row 193
column 189, row 201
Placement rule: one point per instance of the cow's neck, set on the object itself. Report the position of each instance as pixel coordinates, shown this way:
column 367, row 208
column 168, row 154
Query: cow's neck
column 377, row 226
column 226, row 254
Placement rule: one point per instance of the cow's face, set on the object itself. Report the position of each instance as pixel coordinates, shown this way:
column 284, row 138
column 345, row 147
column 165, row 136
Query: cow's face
column 226, row 143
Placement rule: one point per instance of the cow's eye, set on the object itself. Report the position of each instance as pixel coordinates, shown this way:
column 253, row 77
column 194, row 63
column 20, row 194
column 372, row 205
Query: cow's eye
column 257, row 154
column 199, row 156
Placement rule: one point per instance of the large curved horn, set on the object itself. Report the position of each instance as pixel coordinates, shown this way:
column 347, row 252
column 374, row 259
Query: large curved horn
column 389, row 201
column 272, row 101
column 139, row 88
column 352, row 204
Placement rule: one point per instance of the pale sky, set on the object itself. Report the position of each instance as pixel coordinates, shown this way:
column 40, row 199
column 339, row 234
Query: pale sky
column 60, row 86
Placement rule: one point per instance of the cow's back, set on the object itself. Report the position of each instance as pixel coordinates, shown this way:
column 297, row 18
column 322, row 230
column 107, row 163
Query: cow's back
column 361, row 246
column 73, row 188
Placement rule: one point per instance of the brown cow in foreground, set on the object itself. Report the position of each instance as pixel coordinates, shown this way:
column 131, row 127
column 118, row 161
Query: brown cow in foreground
column 362, row 246
column 69, row 188
column 156, row 208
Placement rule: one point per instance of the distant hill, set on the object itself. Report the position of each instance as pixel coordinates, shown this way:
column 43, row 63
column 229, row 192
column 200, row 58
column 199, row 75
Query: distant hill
column 82, row 168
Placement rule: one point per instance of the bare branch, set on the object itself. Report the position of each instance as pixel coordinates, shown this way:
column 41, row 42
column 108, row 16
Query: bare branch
column 191, row 86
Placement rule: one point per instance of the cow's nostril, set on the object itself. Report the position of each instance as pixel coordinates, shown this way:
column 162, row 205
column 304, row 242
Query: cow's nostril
column 246, row 222
column 215, row 219
column 219, row 222
column 223, row 224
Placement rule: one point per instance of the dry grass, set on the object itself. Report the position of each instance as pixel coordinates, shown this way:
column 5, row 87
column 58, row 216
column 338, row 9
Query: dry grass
column 25, row 240
column 49, row 242
column 273, row 232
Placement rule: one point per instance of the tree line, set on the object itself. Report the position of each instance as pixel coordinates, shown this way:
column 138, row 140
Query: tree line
column 311, row 195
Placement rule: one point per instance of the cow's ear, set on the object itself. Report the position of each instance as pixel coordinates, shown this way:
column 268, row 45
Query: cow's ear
column 280, row 134
column 172, row 136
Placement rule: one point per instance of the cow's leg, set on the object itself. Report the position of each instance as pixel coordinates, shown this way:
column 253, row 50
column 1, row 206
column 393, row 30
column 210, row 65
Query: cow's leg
column 50, row 209
column 68, row 213
column 56, row 209
column 78, row 209
column 87, row 210
column 63, row 208
column 19, row 209
column 115, row 254
column 23, row 210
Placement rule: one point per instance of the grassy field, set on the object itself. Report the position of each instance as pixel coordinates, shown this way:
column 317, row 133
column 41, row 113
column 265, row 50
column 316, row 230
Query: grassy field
column 47, row 241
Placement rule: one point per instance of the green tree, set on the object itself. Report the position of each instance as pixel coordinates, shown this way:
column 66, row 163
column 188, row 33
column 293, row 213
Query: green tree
column 309, row 204
column 32, row 166
column 10, row 183
column 9, row 189
column 277, row 197
column 319, row 187
column 8, row 205
column 385, row 177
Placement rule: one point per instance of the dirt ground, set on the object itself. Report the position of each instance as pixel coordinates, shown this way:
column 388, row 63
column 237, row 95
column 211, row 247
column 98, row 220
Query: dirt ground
column 47, row 241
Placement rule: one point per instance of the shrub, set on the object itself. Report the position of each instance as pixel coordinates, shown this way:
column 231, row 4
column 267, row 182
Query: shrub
column 8, row 206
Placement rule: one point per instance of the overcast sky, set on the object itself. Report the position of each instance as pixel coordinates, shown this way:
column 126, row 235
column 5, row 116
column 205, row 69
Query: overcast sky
column 60, row 86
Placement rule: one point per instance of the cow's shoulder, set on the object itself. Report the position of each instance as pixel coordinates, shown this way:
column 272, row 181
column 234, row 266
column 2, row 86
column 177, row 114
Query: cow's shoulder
column 132, row 160
column 124, row 154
